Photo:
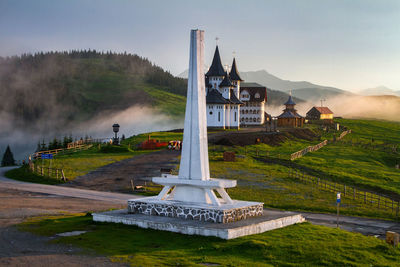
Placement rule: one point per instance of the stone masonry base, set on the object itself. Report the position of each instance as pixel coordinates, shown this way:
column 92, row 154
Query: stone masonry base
column 237, row 211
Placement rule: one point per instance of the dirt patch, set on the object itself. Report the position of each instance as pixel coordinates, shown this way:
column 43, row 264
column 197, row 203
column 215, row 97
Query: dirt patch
column 116, row 177
column 251, row 138
column 25, row 249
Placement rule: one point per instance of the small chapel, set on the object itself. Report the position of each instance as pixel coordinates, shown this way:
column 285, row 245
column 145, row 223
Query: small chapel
column 290, row 117
column 225, row 98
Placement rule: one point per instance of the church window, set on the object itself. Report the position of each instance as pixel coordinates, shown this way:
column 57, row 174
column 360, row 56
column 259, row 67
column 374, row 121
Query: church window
column 219, row 116
column 235, row 115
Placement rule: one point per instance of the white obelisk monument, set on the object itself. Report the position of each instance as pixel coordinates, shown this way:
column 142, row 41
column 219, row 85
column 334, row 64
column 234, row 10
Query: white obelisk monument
column 194, row 184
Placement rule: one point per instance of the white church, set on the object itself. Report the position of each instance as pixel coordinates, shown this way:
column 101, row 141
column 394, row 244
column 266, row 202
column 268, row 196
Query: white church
column 231, row 103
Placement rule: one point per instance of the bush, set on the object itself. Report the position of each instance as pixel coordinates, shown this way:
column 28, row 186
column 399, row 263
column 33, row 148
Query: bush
column 113, row 149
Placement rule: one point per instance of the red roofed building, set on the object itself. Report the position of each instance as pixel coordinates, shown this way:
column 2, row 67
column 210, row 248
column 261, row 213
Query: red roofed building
column 319, row 113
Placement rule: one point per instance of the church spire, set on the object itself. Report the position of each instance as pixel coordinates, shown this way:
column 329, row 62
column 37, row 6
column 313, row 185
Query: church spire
column 234, row 74
column 216, row 68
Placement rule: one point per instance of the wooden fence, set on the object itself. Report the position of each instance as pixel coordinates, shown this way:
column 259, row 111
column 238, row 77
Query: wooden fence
column 38, row 155
column 351, row 192
column 304, row 151
column 343, row 134
column 47, row 171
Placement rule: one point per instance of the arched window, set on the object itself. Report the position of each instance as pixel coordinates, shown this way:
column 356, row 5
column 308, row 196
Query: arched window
column 247, row 111
column 257, row 95
column 254, row 120
column 258, row 120
column 247, row 119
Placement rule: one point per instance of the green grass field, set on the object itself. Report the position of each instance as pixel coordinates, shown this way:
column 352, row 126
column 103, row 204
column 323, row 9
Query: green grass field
column 296, row 245
column 268, row 182
column 77, row 163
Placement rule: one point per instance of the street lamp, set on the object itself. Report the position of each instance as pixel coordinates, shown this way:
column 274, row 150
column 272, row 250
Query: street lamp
column 115, row 130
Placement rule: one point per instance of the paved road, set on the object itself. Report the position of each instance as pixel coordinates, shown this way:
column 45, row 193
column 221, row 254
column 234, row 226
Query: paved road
column 355, row 224
column 61, row 190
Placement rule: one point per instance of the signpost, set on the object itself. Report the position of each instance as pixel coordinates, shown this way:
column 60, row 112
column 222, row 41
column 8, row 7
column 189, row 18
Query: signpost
column 47, row 156
column 338, row 204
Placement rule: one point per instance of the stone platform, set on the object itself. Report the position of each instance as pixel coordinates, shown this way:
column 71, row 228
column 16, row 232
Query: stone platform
column 225, row 213
column 269, row 220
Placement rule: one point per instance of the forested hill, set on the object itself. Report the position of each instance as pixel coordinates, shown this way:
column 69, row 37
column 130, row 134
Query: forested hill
column 75, row 86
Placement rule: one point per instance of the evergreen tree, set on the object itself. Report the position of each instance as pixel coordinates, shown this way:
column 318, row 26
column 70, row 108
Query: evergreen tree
column 39, row 147
column 65, row 142
column 8, row 158
column 123, row 137
column 43, row 146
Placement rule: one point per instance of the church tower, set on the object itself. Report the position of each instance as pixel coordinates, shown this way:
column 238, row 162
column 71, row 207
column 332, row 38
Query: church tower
column 235, row 78
column 216, row 72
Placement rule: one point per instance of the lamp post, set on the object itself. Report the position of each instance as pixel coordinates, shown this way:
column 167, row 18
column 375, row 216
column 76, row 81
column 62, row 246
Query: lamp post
column 115, row 130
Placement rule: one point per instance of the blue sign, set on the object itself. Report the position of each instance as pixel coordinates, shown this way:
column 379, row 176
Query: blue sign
column 338, row 198
column 47, row 156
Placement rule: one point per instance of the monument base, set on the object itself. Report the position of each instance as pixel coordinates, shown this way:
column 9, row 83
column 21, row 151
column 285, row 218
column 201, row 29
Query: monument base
column 225, row 213
column 269, row 220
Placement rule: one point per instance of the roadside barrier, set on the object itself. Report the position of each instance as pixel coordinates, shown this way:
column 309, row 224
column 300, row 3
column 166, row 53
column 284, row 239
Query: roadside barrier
column 365, row 197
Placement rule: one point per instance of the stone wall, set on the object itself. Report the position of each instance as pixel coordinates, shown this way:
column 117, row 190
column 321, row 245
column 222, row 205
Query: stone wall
column 193, row 213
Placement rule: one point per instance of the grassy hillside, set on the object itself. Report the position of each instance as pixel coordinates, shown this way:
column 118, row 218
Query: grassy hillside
column 296, row 245
column 61, row 87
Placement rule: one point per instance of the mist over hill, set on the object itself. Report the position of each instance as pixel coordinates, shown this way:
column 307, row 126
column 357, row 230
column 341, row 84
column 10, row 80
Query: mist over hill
column 379, row 90
column 64, row 87
column 57, row 93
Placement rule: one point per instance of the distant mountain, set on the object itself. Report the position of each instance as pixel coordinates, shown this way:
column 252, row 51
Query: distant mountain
column 316, row 94
column 379, row 90
column 301, row 89
column 277, row 98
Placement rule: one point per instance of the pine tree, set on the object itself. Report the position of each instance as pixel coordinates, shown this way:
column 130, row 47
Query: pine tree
column 39, row 147
column 8, row 158
column 65, row 142
column 43, row 146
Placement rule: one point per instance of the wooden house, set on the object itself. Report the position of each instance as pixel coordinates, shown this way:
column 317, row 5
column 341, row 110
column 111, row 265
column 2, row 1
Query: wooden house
column 320, row 113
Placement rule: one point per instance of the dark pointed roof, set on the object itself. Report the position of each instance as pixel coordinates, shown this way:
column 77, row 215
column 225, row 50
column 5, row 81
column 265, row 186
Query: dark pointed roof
column 215, row 97
column 290, row 114
column 234, row 74
column 234, row 99
column 226, row 82
column 290, row 101
column 216, row 68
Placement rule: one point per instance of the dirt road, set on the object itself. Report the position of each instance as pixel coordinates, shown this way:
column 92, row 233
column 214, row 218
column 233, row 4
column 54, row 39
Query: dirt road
column 116, row 177
column 19, row 201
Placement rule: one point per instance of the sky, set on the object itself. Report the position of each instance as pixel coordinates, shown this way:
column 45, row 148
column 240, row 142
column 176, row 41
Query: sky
column 349, row 44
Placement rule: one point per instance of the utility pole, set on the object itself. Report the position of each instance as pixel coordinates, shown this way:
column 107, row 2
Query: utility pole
column 338, row 204
column 322, row 101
